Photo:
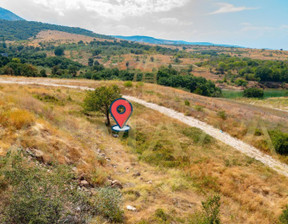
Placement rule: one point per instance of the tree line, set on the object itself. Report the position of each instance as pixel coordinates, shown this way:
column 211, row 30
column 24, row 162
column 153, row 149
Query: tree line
column 247, row 68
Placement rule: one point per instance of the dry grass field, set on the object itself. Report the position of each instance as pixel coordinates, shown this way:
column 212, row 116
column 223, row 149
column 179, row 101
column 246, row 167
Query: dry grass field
column 177, row 169
column 59, row 37
column 240, row 119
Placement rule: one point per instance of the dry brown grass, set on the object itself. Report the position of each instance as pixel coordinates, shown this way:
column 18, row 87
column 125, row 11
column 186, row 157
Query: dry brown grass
column 250, row 193
column 59, row 37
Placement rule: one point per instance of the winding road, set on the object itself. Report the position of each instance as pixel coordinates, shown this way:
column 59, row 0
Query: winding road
column 192, row 122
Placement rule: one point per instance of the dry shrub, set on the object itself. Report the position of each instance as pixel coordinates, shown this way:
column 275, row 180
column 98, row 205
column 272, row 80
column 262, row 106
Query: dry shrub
column 94, row 175
column 20, row 118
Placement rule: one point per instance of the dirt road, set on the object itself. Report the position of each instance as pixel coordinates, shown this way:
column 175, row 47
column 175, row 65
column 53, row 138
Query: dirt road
column 214, row 132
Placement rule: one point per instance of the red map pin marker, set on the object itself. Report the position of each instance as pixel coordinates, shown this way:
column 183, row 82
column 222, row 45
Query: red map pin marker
column 121, row 110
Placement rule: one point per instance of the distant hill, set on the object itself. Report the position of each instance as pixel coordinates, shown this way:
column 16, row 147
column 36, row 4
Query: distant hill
column 152, row 40
column 22, row 30
column 7, row 15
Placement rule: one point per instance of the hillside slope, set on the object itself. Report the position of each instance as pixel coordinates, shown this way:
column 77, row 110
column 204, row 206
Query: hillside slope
column 22, row 30
column 169, row 172
column 248, row 150
column 152, row 40
column 7, row 15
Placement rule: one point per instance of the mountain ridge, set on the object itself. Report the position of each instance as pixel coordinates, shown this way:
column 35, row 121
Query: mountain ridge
column 8, row 15
column 153, row 40
column 14, row 27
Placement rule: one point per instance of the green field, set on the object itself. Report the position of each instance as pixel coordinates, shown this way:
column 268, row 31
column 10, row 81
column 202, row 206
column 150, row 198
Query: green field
column 232, row 94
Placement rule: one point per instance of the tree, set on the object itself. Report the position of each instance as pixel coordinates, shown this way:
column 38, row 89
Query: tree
column 73, row 70
column 59, row 51
column 100, row 100
column 221, row 67
column 90, row 62
column 43, row 73
column 96, row 52
column 4, row 43
column 55, row 70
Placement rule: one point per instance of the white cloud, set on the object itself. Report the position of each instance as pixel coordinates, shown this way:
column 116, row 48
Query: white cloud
column 228, row 8
column 173, row 21
column 251, row 27
column 115, row 9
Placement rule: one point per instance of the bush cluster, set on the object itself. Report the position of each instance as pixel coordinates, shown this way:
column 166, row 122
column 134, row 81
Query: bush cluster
column 34, row 194
column 253, row 93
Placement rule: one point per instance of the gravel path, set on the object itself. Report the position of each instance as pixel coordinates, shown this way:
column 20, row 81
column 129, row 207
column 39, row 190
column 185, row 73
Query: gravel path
column 214, row 132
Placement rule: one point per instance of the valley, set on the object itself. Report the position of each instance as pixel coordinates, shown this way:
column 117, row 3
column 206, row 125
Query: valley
column 209, row 131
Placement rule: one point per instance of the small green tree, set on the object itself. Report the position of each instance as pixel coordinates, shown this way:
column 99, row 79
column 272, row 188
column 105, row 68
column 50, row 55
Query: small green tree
column 100, row 100
column 90, row 62
column 190, row 68
column 73, row 70
column 43, row 73
column 59, row 51
column 4, row 43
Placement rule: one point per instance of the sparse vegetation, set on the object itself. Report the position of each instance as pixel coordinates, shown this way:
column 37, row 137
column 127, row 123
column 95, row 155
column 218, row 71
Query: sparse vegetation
column 34, row 194
column 107, row 203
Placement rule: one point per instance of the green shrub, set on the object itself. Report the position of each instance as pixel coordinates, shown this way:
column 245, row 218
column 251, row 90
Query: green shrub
column 284, row 216
column 34, row 195
column 258, row 132
column 128, row 84
column 280, row 141
column 161, row 155
column 254, row 93
column 187, row 103
column 48, row 99
column 211, row 208
column 241, row 82
column 196, row 135
column 210, row 213
column 199, row 108
column 139, row 84
column 161, row 217
column 222, row 114
column 108, row 202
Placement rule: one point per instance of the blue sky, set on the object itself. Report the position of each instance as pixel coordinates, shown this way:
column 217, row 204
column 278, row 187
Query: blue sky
column 253, row 23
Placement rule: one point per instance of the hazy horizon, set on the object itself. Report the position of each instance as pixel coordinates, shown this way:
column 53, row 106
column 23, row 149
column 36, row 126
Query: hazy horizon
column 250, row 24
